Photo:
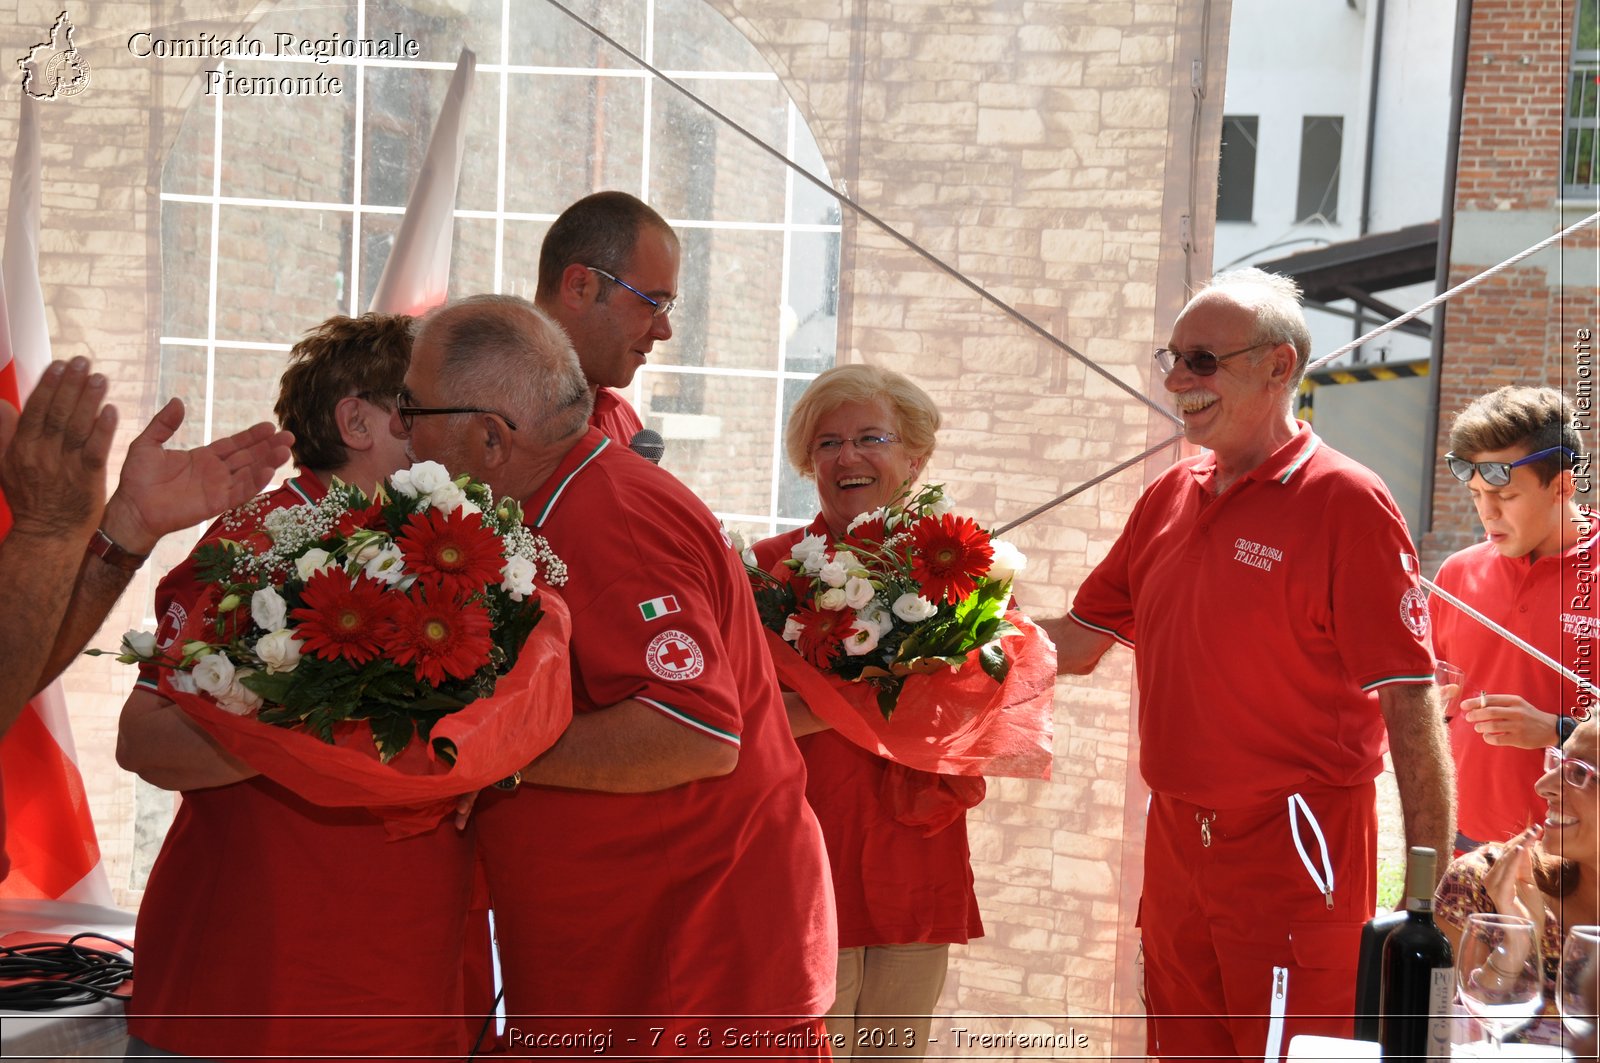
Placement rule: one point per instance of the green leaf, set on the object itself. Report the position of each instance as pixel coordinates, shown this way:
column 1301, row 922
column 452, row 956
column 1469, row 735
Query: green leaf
column 995, row 662
column 888, row 694
column 214, row 561
column 391, row 734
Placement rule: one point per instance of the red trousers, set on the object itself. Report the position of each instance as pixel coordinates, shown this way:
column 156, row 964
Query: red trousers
column 1222, row 922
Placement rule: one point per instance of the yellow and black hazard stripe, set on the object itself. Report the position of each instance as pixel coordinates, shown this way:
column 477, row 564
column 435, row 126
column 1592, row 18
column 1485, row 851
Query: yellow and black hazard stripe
column 1361, row 374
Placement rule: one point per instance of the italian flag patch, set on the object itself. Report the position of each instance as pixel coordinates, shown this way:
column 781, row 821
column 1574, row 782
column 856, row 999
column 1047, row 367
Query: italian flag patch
column 656, row 608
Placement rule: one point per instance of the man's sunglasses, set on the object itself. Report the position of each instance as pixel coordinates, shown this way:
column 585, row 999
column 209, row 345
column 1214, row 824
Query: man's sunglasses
column 1200, row 363
column 1497, row 473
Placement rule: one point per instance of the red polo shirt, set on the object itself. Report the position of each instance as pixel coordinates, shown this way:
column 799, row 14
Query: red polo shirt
column 1549, row 603
column 1263, row 620
column 614, row 416
column 263, row 907
column 706, row 898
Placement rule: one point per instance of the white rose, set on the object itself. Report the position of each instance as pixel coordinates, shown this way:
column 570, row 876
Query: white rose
column 447, row 497
column 516, row 577
column 736, row 540
column 834, row 573
column 387, row 565
column 832, row 598
column 184, row 682
column 426, row 477
column 139, row 644
column 1008, row 561
column 941, row 506
column 238, row 698
column 213, row 673
column 913, row 608
column 279, row 651
column 862, row 518
column 470, row 508
column 400, row 480
column 812, row 546
column 876, row 617
column 369, row 550
column 861, row 640
column 748, row 556
column 311, row 562
column 268, row 609
column 792, row 628
column 857, row 592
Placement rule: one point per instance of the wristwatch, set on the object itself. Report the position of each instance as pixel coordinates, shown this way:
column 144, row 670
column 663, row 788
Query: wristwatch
column 102, row 546
column 1565, row 725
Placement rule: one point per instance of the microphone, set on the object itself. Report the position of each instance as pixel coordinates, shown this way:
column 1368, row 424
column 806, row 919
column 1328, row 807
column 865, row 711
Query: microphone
column 648, row 444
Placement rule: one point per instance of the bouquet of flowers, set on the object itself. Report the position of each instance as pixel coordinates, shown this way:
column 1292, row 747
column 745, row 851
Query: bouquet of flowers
column 911, row 589
column 379, row 617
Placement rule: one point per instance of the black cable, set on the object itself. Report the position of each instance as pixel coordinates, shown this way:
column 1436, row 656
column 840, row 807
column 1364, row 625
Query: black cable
column 46, row 975
column 487, row 1019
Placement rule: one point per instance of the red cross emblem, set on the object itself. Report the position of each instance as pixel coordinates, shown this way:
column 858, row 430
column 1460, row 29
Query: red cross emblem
column 1414, row 612
column 674, row 655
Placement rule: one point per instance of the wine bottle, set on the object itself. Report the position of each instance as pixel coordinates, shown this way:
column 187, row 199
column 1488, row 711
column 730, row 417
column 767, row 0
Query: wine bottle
column 1418, row 981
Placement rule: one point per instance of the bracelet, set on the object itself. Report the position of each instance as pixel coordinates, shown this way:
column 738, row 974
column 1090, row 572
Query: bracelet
column 106, row 549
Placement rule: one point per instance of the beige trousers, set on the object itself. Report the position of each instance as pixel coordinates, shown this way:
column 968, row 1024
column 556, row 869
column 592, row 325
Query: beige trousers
column 883, row 1006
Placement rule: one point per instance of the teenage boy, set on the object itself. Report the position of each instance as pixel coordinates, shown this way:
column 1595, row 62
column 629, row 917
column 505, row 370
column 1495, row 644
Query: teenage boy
column 1533, row 575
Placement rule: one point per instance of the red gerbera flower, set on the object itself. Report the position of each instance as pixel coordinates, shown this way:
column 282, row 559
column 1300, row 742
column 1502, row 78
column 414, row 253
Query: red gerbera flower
column 822, row 631
column 949, row 554
column 867, row 537
column 451, row 550
column 341, row 617
column 356, row 519
column 440, row 639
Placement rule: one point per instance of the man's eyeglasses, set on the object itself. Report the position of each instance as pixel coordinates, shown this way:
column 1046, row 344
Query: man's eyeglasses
column 661, row 308
column 1497, row 473
column 409, row 411
column 1578, row 774
column 1200, row 363
column 832, row 448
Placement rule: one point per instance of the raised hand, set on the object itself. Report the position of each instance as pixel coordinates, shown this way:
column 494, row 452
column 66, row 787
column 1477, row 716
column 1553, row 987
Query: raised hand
column 163, row 490
column 53, row 453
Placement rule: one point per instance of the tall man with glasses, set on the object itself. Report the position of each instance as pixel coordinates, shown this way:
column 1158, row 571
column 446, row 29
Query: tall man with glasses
column 272, row 927
column 608, row 275
column 659, row 882
column 1269, row 591
column 1534, row 574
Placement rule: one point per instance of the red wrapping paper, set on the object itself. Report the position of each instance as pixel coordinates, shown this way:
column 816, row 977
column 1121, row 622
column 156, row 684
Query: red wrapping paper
column 950, row 723
column 494, row 737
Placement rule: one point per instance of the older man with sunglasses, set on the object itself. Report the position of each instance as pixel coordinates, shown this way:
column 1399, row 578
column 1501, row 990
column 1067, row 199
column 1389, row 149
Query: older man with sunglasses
column 1269, row 590
column 1533, row 574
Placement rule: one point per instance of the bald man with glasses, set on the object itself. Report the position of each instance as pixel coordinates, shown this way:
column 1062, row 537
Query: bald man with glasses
column 1516, row 450
column 1269, row 591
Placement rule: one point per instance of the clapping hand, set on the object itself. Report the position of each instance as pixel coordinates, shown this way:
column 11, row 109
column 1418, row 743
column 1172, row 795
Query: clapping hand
column 163, row 490
column 1510, row 883
column 53, row 452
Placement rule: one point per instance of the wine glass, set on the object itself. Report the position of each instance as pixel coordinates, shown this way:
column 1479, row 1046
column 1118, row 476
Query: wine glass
column 1498, row 972
column 1578, row 960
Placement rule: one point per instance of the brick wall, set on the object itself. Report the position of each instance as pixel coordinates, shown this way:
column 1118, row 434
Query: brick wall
column 1520, row 326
